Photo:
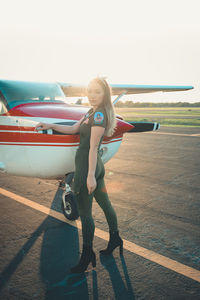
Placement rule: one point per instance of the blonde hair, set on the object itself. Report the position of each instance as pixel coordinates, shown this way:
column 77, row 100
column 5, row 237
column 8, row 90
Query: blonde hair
column 108, row 106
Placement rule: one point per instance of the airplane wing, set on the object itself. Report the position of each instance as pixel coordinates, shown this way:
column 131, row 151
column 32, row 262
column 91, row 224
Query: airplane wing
column 139, row 89
column 75, row 90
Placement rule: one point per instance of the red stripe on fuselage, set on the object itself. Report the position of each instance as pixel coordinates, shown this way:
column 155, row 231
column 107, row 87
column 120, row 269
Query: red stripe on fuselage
column 42, row 138
column 16, row 128
column 41, row 145
column 37, row 138
column 52, row 145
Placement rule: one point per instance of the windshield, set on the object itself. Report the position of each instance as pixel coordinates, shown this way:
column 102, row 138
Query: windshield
column 19, row 92
column 3, row 109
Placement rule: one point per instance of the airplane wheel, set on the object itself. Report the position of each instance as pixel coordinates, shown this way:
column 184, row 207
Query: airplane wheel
column 69, row 207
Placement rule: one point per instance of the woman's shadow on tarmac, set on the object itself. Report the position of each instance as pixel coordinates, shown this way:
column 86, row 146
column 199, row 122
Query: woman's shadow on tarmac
column 60, row 251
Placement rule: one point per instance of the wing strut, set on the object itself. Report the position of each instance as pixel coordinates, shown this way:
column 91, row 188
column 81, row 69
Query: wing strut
column 121, row 95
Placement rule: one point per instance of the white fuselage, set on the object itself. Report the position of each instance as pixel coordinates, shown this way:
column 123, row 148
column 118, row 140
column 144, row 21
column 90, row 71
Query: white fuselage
column 25, row 152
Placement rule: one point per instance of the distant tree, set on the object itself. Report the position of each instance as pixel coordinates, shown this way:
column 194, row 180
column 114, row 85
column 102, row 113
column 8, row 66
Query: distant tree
column 119, row 104
column 130, row 103
column 79, row 101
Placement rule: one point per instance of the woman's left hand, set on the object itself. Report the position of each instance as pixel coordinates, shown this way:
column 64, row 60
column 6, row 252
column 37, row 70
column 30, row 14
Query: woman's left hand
column 91, row 183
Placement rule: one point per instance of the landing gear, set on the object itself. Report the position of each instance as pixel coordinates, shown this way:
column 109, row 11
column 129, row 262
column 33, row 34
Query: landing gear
column 69, row 206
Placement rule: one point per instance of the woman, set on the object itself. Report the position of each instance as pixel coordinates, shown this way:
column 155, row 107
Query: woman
column 89, row 169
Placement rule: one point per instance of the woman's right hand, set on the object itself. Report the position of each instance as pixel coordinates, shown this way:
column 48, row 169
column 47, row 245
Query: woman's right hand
column 43, row 126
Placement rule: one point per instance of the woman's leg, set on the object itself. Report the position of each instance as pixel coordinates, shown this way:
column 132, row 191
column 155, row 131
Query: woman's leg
column 102, row 199
column 84, row 203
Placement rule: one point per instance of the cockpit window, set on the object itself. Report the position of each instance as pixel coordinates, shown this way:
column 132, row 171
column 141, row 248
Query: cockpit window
column 3, row 108
column 19, row 92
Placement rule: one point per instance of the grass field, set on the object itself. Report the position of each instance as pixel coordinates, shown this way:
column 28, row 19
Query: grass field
column 169, row 116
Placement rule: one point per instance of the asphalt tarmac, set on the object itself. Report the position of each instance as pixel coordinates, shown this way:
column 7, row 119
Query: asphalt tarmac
column 153, row 183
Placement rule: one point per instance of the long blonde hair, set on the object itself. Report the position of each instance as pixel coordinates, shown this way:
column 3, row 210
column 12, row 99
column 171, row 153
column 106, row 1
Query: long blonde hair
column 108, row 106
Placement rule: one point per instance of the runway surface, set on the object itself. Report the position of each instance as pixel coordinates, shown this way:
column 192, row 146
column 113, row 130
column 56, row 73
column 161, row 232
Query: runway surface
column 153, row 183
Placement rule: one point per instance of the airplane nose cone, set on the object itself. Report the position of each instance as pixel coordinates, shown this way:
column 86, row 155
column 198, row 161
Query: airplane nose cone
column 122, row 127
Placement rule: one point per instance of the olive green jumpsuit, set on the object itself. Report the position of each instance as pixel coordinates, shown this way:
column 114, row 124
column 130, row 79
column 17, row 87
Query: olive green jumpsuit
column 83, row 199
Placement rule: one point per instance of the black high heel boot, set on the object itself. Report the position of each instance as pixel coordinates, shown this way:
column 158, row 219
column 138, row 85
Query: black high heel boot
column 113, row 243
column 87, row 256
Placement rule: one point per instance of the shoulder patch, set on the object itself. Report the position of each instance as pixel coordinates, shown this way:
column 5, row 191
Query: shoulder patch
column 98, row 117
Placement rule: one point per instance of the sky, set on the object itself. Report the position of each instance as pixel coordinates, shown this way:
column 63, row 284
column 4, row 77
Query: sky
column 128, row 41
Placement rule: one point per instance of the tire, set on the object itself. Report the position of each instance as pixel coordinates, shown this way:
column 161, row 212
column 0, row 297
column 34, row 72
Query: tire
column 71, row 211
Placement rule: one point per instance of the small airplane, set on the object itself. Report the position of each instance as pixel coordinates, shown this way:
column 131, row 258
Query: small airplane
column 49, row 154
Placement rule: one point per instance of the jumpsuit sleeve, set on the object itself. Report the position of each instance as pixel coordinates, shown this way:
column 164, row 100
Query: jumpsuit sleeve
column 99, row 119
